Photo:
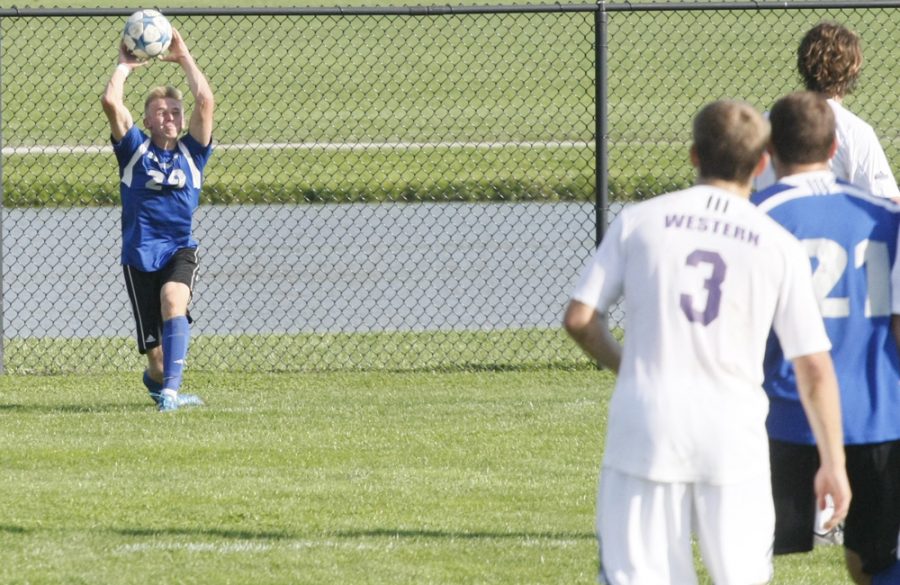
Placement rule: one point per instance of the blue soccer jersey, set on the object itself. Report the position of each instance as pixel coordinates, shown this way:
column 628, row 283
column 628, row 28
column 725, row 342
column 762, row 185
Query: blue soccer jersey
column 160, row 190
column 851, row 240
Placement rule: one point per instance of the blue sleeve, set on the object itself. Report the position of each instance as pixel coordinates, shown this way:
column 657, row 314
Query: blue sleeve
column 126, row 147
column 199, row 152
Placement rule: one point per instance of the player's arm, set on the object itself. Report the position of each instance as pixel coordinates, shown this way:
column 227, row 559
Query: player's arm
column 590, row 330
column 895, row 329
column 895, row 296
column 201, row 123
column 113, row 99
column 818, row 388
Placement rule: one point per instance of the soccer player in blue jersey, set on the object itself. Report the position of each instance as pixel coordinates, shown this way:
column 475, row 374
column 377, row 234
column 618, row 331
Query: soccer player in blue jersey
column 851, row 239
column 160, row 180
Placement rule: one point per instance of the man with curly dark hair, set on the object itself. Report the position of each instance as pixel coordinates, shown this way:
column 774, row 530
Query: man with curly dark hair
column 829, row 61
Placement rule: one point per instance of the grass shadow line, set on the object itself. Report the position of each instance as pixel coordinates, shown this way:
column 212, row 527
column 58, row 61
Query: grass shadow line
column 393, row 533
column 462, row 534
column 75, row 408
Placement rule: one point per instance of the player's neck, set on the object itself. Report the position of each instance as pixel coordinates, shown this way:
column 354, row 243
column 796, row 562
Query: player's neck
column 739, row 189
column 165, row 143
column 782, row 170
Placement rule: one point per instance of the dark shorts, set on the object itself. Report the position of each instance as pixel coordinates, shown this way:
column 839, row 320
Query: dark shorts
column 144, row 290
column 873, row 522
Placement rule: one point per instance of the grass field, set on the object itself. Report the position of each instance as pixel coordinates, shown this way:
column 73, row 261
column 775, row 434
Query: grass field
column 362, row 94
column 311, row 479
column 396, row 351
column 432, row 476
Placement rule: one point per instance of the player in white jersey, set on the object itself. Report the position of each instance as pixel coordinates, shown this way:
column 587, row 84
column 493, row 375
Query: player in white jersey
column 705, row 276
column 829, row 60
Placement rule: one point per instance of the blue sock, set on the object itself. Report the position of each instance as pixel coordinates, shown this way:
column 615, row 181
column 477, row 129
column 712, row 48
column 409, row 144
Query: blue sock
column 889, row 576
column 153, row 387
column 175, row 336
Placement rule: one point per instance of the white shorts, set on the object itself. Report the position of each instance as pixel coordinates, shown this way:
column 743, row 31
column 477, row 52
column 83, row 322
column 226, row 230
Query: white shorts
column 645, row 530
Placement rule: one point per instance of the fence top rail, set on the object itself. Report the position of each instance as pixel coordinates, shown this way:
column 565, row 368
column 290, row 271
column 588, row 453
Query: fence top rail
column 627, row 6
column 308, row 11
column 437, row 10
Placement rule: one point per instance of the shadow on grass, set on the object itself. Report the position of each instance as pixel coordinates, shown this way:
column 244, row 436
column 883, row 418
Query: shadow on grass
column 392, row 533
column 9, row 529
column 460, row 535
column 464, row 367
column 76, row 408
column 211, row 532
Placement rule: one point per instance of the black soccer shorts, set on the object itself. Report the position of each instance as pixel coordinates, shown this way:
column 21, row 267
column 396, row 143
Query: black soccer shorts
column 144, row 290
column 794, row 469
column 873, row 521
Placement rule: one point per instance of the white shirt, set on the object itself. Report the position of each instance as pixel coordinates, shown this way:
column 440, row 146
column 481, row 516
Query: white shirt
column 705, row 276
column 859, row 157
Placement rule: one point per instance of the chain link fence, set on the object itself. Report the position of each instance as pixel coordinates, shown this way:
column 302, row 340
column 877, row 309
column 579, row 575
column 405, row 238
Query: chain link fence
column 391, row 188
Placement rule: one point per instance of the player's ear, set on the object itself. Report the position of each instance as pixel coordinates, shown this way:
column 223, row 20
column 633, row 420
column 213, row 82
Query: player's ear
column 695, row 158
column 763, row 162
column 833, row 150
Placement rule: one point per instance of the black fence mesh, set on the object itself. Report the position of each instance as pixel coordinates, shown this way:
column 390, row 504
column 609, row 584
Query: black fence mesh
column 388, row 190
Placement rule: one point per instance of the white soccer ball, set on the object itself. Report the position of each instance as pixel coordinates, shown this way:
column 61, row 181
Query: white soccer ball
column 147, row 34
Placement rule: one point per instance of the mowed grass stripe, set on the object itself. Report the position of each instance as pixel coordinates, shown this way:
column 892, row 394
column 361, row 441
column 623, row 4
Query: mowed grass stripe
column 377, row 478
column 301, row 479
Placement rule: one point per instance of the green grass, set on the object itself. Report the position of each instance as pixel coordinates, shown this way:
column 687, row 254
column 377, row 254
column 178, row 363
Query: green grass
column 430, row 174
column 428, row 476
column 311, row 478
column 388, row 351
column 471, row 79
column 463, row 106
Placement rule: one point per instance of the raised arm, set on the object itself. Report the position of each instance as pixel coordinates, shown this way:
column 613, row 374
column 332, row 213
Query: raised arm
column 201, row 123
column 113, row 99
column 818, row 390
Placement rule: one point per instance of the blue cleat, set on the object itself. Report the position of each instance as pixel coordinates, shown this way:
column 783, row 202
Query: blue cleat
column 167, row 402
column 156, row 397
column 189, row 400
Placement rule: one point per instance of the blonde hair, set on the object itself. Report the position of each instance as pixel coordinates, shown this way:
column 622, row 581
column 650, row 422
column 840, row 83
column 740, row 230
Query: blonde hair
column 162, row 92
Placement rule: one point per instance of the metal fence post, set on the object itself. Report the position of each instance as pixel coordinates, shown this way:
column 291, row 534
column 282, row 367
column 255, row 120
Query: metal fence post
column 601, row 120
column 2, row 231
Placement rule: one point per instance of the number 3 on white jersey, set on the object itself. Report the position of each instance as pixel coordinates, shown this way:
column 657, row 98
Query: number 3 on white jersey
column 831, row 263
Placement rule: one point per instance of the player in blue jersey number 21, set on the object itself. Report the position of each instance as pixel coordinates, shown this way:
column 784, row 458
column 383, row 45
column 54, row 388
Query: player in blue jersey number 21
column 850, row 236
column 160, row 180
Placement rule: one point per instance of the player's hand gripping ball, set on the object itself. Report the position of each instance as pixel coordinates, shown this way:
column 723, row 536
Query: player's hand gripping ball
column 147, row 34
